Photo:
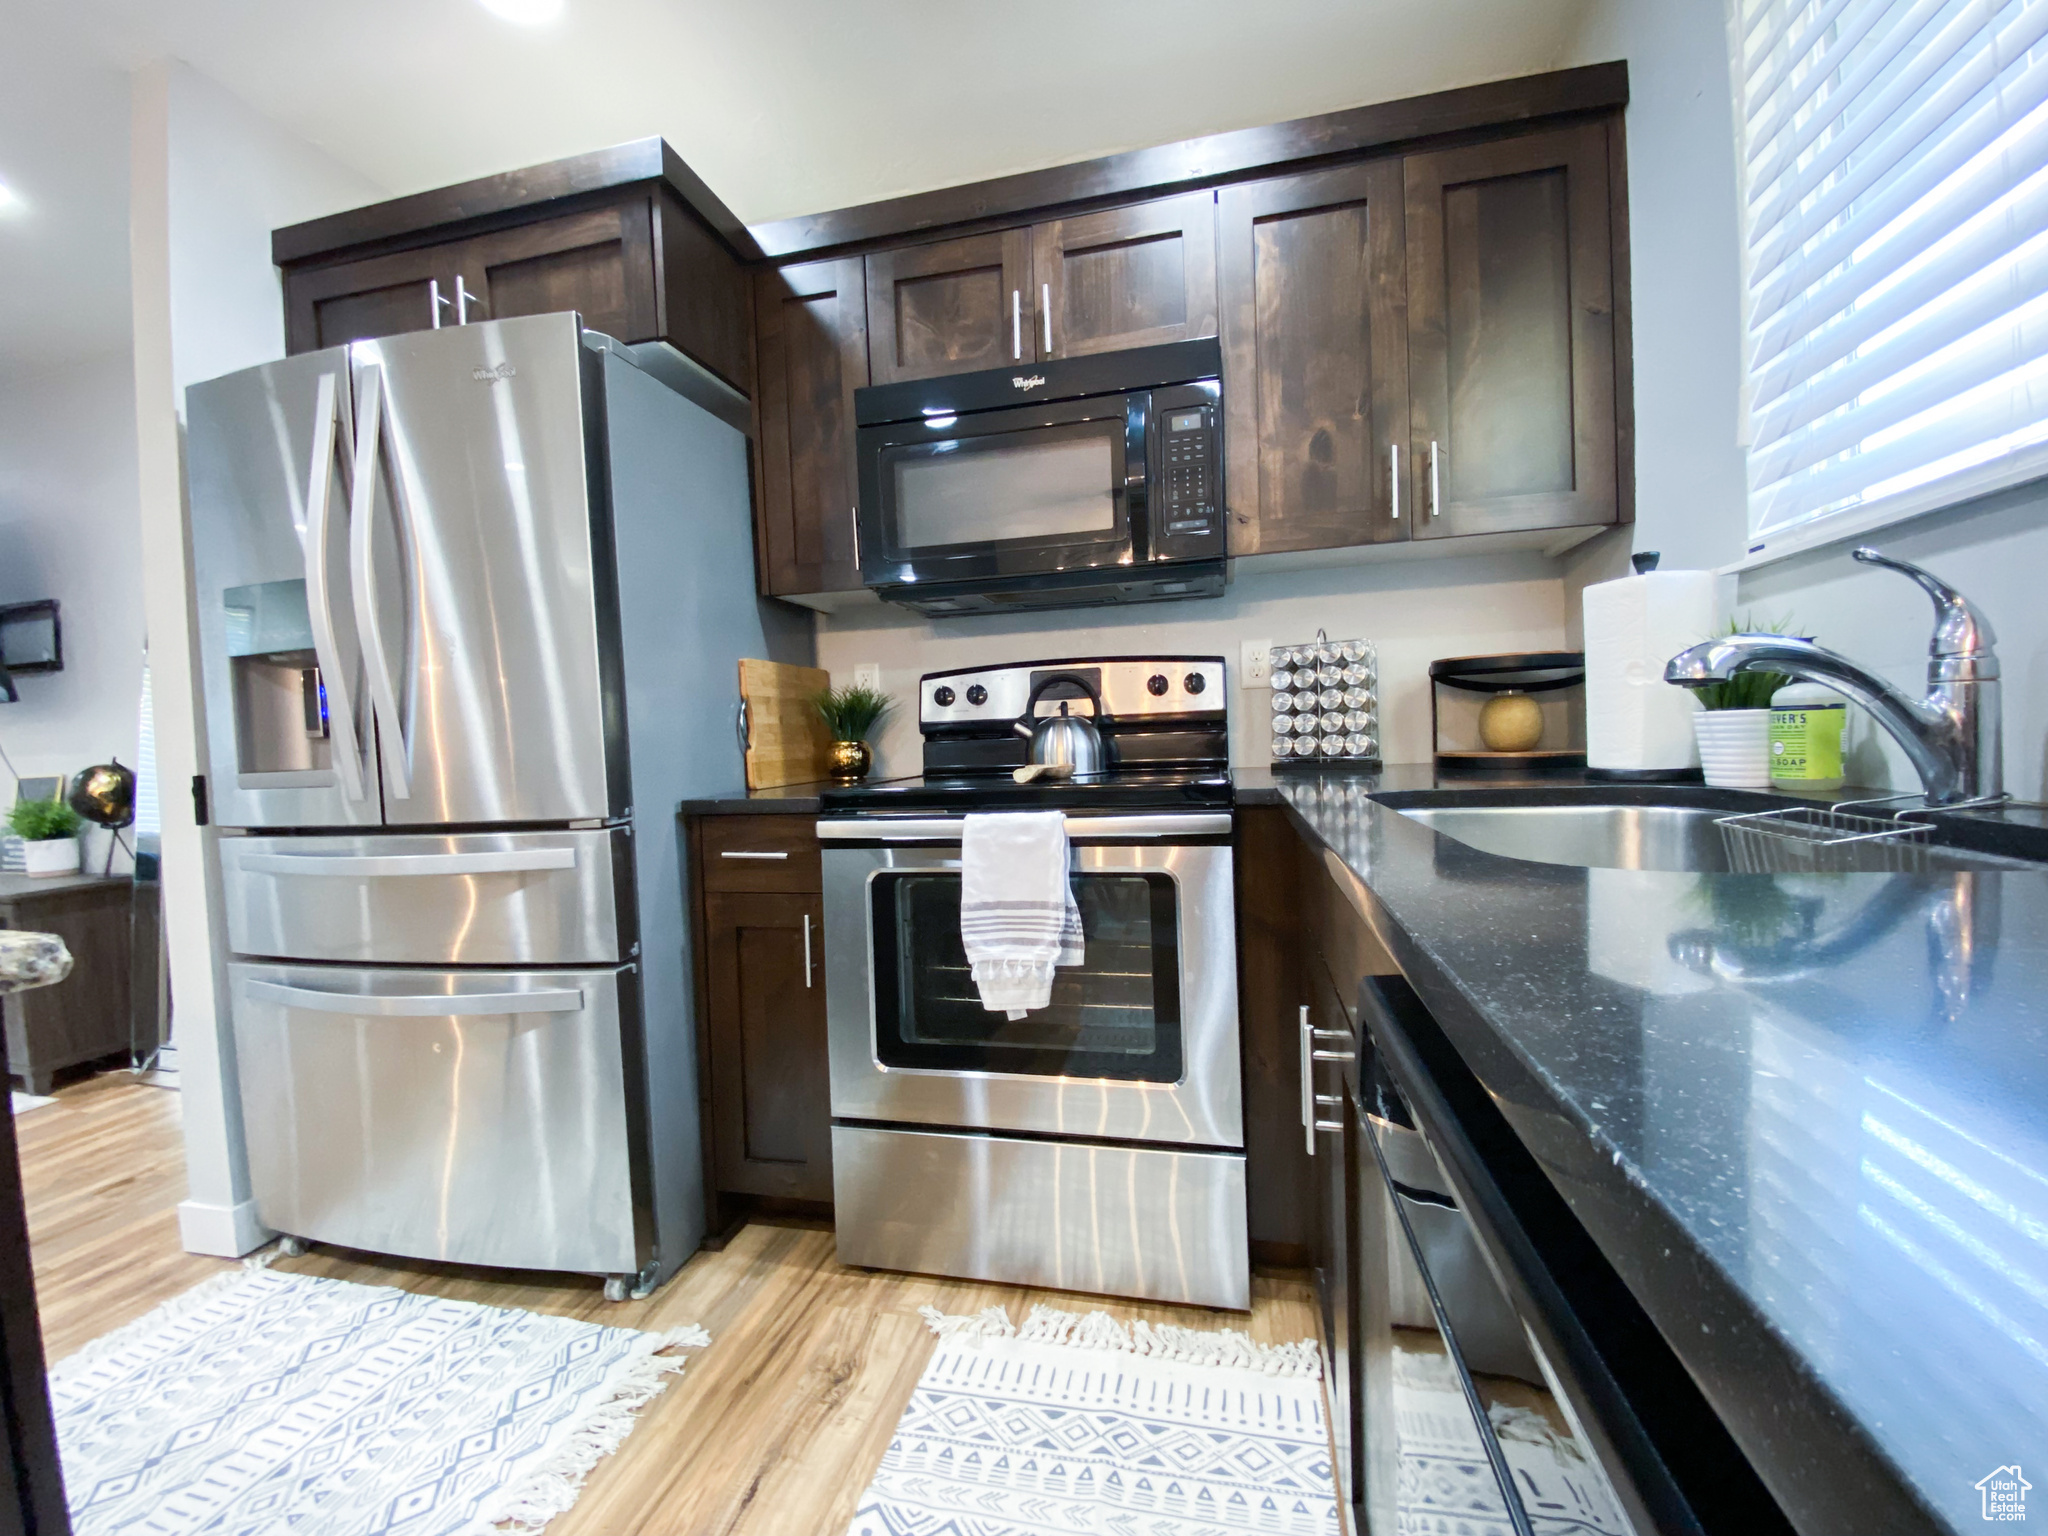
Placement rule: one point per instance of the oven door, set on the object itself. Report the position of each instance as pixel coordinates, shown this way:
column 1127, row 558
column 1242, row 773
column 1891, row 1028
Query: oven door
column 1139, row 1042
column 1044, row 488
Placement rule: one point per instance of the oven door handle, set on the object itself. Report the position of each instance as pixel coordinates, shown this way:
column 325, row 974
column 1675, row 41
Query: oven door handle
column 947, row 829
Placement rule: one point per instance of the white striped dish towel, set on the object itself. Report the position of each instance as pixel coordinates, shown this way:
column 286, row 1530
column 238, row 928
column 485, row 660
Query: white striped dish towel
column 1017, row 914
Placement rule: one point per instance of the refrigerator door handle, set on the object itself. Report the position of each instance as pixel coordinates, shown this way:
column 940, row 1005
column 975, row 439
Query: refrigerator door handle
column 407, row 863
column 431, row 1005
column 341, row 725
column 362, row 510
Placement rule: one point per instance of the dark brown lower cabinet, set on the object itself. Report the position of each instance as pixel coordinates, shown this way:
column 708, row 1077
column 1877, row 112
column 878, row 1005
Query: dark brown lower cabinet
column 771, row 1108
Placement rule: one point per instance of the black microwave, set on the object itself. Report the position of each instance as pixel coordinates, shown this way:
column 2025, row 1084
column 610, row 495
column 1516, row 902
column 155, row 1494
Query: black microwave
column 1059, row 484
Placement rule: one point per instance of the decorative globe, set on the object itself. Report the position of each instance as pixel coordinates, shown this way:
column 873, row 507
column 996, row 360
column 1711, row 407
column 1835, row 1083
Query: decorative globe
column 105, row 795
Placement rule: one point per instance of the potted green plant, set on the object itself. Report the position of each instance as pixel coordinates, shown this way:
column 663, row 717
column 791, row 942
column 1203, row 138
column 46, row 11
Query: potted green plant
column 49, row 833
column 1733, row 726
column 851, row 714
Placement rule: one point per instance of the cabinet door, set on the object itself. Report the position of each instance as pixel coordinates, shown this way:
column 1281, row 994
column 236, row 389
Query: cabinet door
column 599, row 262
column 950, row 307
column 811, row 353
column 1131, row 277
column 1511, row 334
column 362, row 300
column 1315, row 360
column 1335, row 1132
column 771, row 1104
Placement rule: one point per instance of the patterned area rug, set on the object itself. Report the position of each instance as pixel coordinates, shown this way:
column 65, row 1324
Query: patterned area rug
column 1081, row 1427
column 265, row 1402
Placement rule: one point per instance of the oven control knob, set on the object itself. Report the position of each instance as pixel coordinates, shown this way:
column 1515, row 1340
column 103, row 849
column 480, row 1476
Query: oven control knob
column 977, row 694
column 942, row 697
column 1156, row 684
column 1194, row 682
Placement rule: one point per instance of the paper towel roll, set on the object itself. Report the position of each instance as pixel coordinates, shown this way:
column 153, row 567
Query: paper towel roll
column 1635, row 721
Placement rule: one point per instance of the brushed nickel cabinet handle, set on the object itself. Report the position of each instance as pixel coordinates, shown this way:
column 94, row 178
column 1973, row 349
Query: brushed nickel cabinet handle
column 1045, row 307
column 1394, row 477
column 1017, row 324
column 747, row 853
column 1435, row 504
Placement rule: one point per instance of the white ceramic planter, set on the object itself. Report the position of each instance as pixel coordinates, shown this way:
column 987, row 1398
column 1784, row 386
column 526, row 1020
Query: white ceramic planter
column 51, row 855
column 1735, row 747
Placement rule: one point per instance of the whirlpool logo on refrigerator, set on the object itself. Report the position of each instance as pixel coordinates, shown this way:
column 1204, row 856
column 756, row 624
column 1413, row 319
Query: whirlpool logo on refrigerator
column 493, row 375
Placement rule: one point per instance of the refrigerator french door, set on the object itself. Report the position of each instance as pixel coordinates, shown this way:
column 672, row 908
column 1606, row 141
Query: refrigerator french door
column 441, row 579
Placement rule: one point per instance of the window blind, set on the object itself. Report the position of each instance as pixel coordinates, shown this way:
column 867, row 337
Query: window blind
column 1893, row 160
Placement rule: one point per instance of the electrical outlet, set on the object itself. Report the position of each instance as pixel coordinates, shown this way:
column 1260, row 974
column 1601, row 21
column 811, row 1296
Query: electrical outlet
column 868, row 675
column 1255, row 668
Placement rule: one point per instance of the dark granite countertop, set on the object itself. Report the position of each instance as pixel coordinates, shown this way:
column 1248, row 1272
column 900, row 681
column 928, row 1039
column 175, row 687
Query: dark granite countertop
column 1805, row 1116
column 784, row 799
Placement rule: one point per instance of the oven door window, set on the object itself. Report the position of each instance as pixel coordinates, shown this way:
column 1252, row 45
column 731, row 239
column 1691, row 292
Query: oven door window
column 1055, row 485
column 1117, row 1015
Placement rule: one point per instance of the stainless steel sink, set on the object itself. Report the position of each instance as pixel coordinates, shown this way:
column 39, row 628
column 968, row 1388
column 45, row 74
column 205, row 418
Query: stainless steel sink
column 1677, row 839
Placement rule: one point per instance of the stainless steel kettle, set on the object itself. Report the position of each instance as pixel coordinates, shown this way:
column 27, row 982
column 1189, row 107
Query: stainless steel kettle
column 1065, row 740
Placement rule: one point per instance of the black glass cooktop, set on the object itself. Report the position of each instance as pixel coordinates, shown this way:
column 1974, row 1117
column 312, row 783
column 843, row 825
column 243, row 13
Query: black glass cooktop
column 1207, row 789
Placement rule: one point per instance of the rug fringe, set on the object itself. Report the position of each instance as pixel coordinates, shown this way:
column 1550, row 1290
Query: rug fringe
column 1155, row 1341
column 154, row 1321
column 553, row 1487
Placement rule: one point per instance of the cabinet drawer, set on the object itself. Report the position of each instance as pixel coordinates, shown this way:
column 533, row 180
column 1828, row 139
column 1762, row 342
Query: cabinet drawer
column 761, row 853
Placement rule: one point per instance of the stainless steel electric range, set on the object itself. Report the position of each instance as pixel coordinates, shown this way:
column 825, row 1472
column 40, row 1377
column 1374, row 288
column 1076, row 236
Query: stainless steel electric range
column 1096, row 1144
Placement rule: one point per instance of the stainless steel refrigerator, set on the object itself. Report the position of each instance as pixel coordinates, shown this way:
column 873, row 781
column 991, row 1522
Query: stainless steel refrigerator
column 470, row 603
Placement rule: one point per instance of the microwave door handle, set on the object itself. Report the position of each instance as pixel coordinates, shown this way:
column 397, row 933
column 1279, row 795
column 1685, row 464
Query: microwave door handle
column 362, row 511
column 341, row 731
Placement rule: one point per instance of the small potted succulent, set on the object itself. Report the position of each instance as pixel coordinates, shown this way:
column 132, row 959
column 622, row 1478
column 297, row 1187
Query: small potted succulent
column 49, row 833
column 1733, row 726
column 852, row 714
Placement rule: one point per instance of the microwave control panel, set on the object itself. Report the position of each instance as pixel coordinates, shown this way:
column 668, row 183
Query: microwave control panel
column 1187, row 486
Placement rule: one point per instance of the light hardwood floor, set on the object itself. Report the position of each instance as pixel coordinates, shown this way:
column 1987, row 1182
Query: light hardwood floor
column 772, row 1431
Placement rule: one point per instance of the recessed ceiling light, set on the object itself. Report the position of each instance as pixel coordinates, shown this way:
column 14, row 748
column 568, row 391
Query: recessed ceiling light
column 525, row 13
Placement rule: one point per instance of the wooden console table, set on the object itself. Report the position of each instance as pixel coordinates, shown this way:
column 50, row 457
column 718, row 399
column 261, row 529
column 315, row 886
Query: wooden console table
column 85, row 1016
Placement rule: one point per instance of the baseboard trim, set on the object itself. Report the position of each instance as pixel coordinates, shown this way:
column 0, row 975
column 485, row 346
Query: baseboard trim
column 227, row 1231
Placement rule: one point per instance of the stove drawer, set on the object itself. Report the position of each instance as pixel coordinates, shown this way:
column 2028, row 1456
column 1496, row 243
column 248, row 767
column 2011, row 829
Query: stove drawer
column 1150, row 1222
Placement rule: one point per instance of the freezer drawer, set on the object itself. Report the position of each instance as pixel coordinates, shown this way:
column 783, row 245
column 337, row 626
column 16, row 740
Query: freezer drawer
column 1072, row 1216
column 473, row 898
column 477, row 1117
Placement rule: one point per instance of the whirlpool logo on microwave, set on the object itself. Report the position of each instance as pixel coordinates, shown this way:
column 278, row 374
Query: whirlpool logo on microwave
column 1027, row 381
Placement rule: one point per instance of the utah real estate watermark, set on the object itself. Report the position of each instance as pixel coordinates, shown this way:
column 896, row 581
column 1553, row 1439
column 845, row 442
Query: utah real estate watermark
column 2005, row 1494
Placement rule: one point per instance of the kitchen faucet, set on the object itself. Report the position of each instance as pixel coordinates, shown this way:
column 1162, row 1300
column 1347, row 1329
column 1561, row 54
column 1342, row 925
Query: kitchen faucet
column 1951, row 737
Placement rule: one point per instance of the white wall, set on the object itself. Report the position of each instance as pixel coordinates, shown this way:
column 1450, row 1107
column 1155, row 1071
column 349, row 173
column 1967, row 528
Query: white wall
column 1415, row 611
column 67, row 530
column 1689, row 470
column 209, row 180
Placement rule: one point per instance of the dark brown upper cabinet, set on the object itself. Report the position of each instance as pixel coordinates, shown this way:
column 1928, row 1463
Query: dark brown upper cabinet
column 584, row 262
column 1315, row 359
column 1511, row 334
column 627, row 236
column 362, row 300
column 1131, row 277
column 951, row 307
column 812, row 338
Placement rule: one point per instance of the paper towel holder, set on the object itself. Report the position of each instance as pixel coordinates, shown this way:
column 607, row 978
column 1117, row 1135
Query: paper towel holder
column 1538, row 672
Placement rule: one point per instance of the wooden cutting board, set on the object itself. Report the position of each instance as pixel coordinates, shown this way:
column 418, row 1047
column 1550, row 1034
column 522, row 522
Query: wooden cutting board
column 787, row 741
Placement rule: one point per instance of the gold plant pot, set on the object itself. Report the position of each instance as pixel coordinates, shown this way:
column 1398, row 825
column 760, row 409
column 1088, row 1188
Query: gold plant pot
column 850, row 761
